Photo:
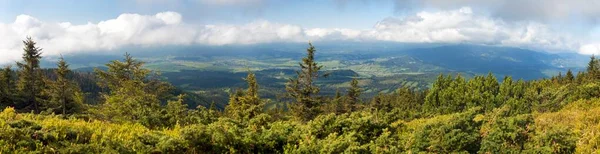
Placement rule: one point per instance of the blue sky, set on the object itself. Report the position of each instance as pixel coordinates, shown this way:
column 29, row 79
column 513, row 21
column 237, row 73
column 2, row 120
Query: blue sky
column 80, row 26
column 309, row 13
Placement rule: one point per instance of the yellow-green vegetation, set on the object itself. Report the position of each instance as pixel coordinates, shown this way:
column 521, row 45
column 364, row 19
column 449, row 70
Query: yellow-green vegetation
column 138, row 114
column 572, row 130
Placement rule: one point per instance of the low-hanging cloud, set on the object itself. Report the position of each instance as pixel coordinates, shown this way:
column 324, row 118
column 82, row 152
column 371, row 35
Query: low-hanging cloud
column 536, row 10
column 168, row 28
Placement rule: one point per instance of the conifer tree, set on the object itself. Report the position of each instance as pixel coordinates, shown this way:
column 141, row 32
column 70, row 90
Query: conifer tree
column 433, row 98
column 506, row 89
column 559, row 78
column 120, row 72
column 580, row 77
column 569, row 76
column 63, row 92
column 31, row 80
column 245, row 105
column 7, row 87
column 353, row 96
column 491, row 90
column 129, row 97
column 176, row 111
column 593, row 70
column 491, row 83
column 303, row 90
column 336, row 103
column 377, row 103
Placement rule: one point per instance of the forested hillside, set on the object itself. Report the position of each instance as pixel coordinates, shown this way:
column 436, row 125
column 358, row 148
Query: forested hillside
column 137, row 112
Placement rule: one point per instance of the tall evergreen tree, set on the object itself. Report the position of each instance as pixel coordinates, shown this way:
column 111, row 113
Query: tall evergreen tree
column 246, row 105
column 377, row 103
column 433, row 99
column 593, row 70
column 31, row 80
column 130, row 96
column 120, row 72
column 7, row 87
column 569, row 76
column 353, row 96
column 559, row 78
column 336, row 104
column 303, row 89
column 491, row 90
column 63, row 92
column 580, row 77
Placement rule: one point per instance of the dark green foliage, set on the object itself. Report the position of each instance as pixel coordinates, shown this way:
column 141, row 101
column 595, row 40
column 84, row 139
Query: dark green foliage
column 353, row 96
column 245, row 105
column 569, row 76
column 64, row 96
column 133, row 95
column 593, row 69
column 138, row 113
column 303, row 90
column 7, row 88
column 31, row 81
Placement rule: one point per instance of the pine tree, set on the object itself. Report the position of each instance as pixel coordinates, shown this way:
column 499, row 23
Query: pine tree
column 593, row 70
column 377, row 103
column 490, row 91
column 433, row 98
column 302, row 88
column 569, row 76
column 246, row 105
column 120, row 72
column 506, row 89
column 336, row 106
column 559, row 78
column 7, row 87
column 353, row 96
column 31, row 80
column 130, row 97
column 580, row 77
column 176, row 111
column 63, row 92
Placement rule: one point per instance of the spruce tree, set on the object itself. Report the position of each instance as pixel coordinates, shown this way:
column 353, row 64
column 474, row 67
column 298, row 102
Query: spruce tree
column 353, row 96
column 303, row 90
column 7, row 87
column 130, row 96
column 559, row 78
column 376, row 103
column 580, row 77
column 569, row 77
column 433, row 100
column 245, row 105
column 490, row 91
column 120, row 72
column 31, row 80
column 63, row 92
column 593, row 71
column 336, row 104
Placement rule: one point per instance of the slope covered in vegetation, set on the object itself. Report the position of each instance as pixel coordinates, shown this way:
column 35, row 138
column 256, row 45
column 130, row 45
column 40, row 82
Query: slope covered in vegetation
column 137, row 113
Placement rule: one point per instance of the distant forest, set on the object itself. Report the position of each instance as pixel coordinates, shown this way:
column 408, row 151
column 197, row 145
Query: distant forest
column 128, row 108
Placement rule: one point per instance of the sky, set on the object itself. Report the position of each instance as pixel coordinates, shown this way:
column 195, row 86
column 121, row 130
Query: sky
column 77, row 27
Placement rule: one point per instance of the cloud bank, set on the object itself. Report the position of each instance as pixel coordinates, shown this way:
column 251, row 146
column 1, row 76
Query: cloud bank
column 168, row 28
column 536, row 10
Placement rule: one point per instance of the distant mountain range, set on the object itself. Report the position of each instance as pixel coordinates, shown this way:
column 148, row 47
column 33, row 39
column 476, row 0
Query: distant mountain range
column 368, row 59
column 213, row 71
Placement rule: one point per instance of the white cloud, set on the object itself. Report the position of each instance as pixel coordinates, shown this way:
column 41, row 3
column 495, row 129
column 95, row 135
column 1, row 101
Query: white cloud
column 590, row 49
column 538, row 10
column 168, row 28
